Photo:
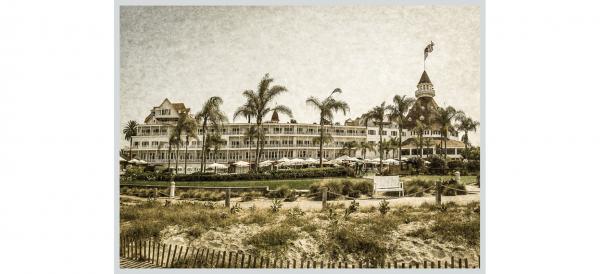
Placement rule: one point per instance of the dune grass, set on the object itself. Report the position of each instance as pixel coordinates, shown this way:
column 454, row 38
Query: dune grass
column 463, row 179
column 272, row 184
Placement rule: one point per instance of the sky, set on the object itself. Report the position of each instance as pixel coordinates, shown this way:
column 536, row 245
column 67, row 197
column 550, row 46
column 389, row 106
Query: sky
column 188, row 54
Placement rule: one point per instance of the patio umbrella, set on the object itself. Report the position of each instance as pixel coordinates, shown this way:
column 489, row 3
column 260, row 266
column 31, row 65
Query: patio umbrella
column 121, row 159
column 216, row 166
column 265, row 163
column 342, row 158
column 311, row 161
column 296, row 162
column 241, row 164
column 142, row 162
column 284, row 159
column 391, row 161
column 134, row 161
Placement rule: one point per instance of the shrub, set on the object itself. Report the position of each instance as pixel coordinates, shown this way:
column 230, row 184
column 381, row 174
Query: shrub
column 344, row 187
column 384, row 207
column 279, row 192
column 276, row 237
column 437, row 165
column 276, row 205
column 235, row 209
column 473, row 166
column 418, row 186
column 453, row 188
column 346, row 240
column 456, row 165
column 249, row 196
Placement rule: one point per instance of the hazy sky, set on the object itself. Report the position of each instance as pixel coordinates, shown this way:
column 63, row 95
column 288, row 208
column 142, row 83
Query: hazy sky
column 188, row 54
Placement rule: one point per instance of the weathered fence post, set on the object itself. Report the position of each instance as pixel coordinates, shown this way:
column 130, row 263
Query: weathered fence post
column 156, row 193
column 172, row 192
column 227, row 197
column 324, row 197
column 438, row 192
column 457, row 176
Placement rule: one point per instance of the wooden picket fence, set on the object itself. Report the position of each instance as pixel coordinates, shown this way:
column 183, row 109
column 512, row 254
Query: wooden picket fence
column 174, row 256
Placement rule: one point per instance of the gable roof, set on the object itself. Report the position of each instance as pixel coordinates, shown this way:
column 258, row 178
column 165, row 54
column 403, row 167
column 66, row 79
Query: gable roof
column 180, row 107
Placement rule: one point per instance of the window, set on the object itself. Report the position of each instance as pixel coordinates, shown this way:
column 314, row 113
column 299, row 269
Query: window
column 371, row 132
column 154, row 143
column 394, row 133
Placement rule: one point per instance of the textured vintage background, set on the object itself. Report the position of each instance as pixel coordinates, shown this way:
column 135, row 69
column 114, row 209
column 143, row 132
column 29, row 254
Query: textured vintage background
column 371, row 52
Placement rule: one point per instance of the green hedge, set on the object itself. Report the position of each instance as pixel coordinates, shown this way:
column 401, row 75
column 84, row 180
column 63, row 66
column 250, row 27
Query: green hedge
column 278, row 174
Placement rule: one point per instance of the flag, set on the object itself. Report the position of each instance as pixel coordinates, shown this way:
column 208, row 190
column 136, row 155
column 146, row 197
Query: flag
column 428, row 49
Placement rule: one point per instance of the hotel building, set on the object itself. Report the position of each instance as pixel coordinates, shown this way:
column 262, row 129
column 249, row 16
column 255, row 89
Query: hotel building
column 287, row 139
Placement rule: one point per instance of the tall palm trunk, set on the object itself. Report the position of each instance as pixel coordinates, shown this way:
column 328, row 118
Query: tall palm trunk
column 186, row 155
column 177, row 159
column 321, row 144
column 169, row 157
column 445, row 148
column 203, row 162
column 258, row 140
column 442, row 140
column 130, row 147
column 380, row 148
column 400, row 144
column 466, row 141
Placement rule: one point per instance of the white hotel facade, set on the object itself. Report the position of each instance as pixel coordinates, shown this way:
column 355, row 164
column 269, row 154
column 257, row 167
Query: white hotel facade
column 282, row 139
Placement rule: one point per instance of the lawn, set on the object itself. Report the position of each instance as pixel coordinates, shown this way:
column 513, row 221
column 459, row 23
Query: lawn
column 272, row 184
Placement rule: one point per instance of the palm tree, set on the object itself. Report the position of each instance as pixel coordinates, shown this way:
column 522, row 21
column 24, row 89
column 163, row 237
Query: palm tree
column 326, row 108
column 378, row 114
column 364, row 147
column 350, row 148
column 258, row 105
column 466, row 124
column 209, row 115
column 189, row 127
column 398, row 113
column 444, row 118
column 158, row 148
column 175, row 139
column 420, row 128
column 172, row 141
column 251, row 134
column 386, row 146
column 322, row 140
column 394, row 145
column 130, row 131
column 215, row 142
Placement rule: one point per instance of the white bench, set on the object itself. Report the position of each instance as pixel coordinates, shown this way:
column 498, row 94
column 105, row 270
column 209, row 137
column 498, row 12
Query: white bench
column 388, row 183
